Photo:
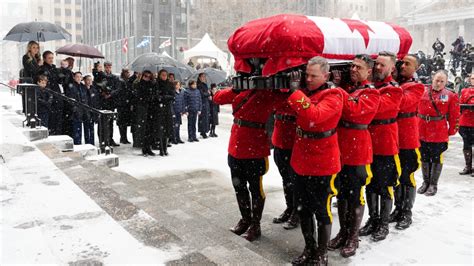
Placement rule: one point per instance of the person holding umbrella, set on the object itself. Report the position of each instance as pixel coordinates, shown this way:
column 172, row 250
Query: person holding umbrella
column 214, row 112
column 165, row 91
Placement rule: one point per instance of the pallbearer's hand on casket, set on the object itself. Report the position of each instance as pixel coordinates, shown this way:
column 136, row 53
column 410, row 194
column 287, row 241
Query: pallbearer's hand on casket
column 295, row 81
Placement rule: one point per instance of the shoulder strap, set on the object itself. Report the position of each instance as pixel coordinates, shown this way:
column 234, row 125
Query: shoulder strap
column 244, row 100
column 433, row 103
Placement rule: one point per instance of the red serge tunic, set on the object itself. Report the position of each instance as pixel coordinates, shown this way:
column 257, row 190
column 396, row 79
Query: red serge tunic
column 246, row 142
column 447, row 104
column 284, row 130
column 385, row 136
column 320, row 111
column 467, row 116
column 360, row 107
column 408, row 136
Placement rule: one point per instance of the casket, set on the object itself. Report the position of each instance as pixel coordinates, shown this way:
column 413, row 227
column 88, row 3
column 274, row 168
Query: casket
column 287, row 41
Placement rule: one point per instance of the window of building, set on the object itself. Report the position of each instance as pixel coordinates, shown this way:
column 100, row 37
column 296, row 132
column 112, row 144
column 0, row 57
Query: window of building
column 78, row 26
column 67, row 1
column 78, row 2
column 40, row 10
column 68, row 26
column 57, row 1
column 57, row 11
column 78, row 13
column 78, row 38
column 148, row 2
column 67, row 12
column 164, row 2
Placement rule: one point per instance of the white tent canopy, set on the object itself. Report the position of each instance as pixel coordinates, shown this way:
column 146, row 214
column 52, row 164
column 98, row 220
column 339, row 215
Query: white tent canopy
column 207, row 48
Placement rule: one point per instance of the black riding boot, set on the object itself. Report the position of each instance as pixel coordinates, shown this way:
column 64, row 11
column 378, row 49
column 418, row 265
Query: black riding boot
column 468, row 159
column 425, row 170
column 435, row 174
column 373, row 221
column 382, row 230
column 397, row 212
column 408, row 202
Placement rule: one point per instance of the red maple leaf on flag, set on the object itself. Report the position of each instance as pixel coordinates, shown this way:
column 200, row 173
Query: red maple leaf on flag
column 361, row 27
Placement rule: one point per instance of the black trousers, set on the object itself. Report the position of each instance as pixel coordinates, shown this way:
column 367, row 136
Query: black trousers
column 313, row 195
column 247, row 175
column 467, row 134
column 432, row 152
column 410, row 161
column 192, row 119
column 386, row 171
column 350, row 182
column 282, row 160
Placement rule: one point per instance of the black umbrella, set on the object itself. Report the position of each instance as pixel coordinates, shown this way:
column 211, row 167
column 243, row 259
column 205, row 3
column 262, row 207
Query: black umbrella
column 37, row 31
column 80, row 50
column 155, row 62
column 212, row 75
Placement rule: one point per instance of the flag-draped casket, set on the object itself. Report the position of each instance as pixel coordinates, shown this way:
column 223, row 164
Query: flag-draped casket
column 286, row 41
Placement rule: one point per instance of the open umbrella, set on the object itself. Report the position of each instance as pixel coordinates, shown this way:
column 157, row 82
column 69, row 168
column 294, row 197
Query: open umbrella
column 80, row 50
column 37, row 31
column 212, row 75
column 155, row 62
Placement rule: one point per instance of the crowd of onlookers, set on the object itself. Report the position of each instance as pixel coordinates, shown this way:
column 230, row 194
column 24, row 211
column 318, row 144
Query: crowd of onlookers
column 151, row 104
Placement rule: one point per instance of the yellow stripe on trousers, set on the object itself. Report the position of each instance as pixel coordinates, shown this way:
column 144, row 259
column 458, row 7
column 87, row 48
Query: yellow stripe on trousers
column 418, row 161
column 262, row 192
column 398, row 165
column 334, row 193
column 367, row 181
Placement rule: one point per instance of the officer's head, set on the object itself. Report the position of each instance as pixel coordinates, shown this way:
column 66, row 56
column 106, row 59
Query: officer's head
column 361, row 68
column 384, row 65
column 440, row 78
column 48, row 57
column 108, row 67
column 42, row 81
column 317, row 72
column 410, row 65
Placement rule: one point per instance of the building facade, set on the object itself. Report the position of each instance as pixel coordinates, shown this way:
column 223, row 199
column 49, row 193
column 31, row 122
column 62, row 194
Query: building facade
column 443, row 19
column 107, row 24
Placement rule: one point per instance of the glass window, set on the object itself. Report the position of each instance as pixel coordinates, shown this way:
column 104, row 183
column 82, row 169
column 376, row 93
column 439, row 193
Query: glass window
column 68, row 12
column 57, row 1
column 57, row 11
column 164, row 2
column 40, row 10
column 68, row 26
column 78, row 2
column 78, row 13
column 67, row 1
column 78, row 26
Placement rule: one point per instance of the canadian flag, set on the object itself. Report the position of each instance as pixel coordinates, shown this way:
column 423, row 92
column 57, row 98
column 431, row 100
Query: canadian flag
column 125, row 45
column 165, row 43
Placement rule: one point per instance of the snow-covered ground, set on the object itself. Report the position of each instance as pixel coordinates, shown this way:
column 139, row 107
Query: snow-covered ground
column 442, row 231
column 46, row 219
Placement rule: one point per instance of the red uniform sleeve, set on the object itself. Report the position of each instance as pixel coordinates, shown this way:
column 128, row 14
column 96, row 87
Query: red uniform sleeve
column 389, row 97
column 454, row 114
column 367, row 100
column 308, row 112
column 225, row 96
column 412, row 95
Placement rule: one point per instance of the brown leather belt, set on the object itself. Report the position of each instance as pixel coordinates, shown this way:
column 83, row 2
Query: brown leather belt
column 428, row 118
column 245, row 123
column 347, row 124
column 383, row 121
column 282, row 117
column 406, row 115
column 314, row 135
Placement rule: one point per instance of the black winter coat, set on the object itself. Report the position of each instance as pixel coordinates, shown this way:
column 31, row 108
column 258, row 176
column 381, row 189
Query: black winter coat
column 124, row 104
column 30, row 68
column 214, row 113
column 45, row 100
column 52, row 73
column 78, row 92
column 165, row 91
column 203, row 122
column 93, row 97
column 145, row 111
